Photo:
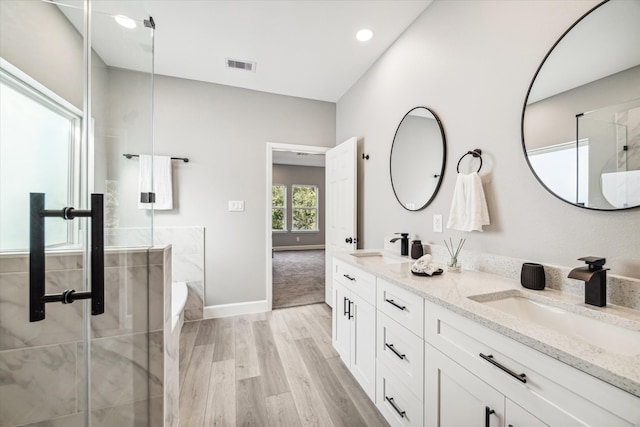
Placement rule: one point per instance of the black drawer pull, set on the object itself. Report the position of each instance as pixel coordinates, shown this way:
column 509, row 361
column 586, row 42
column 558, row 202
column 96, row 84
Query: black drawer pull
column 487, row 413
column 395, row 304
column 344, row 306
column 519, row 377
column 349, row 277
column 392, row 348
column 393, row 405
column 350, row 314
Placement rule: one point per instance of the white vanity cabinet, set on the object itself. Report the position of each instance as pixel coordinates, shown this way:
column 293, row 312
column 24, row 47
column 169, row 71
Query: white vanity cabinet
column 354, row 320
column 471, row 370
column 399, row 353
column 433, row 364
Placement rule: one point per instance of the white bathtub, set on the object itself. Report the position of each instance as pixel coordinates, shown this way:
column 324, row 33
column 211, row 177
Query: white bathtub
column 179, row 294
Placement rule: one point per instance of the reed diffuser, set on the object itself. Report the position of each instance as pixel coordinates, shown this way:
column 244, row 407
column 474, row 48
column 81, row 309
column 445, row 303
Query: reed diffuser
column 454, row 265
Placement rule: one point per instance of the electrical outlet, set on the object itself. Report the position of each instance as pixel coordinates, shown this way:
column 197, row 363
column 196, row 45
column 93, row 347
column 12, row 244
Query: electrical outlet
column 437, row 223
column 297, row 239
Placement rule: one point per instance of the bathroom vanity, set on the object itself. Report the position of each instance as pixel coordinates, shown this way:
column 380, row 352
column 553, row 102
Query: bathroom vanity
column 472, row 348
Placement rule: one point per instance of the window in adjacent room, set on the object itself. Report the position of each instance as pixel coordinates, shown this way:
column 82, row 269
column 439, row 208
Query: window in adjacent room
column 279, row 208
column 304, row 202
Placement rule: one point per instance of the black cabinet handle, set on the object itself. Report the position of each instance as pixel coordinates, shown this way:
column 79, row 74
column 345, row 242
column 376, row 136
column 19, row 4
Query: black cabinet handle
column 395, row 304
column 350, row 315
column 344, row 306
column 393, row 405
column 37, row 296
column 353, row 279
column 490, row 359
column 392, row 348
column 487, row 413
column 348, row 240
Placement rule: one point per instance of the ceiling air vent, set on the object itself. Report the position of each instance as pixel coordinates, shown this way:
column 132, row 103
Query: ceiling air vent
column 241, row 65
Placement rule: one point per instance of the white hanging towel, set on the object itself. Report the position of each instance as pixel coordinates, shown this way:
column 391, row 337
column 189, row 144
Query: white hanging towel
column 468, row 207
column 155, row 176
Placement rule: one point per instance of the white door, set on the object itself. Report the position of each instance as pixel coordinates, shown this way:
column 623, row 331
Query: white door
column 340, row 204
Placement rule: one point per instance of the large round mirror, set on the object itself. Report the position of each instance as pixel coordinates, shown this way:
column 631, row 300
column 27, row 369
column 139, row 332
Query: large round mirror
column 418, row 157
column 581, row 118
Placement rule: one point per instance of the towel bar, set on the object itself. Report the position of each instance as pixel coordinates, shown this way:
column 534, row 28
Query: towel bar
column 184, row 159
column 477, row 153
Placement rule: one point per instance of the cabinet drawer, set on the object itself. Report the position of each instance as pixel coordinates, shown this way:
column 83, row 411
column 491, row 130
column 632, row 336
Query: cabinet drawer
column 402, row 352
column 357, row 280
column 403, row 306
column 398, row 406
column 552, row 391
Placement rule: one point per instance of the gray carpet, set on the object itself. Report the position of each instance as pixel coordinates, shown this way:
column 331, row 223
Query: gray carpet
column 298, row 278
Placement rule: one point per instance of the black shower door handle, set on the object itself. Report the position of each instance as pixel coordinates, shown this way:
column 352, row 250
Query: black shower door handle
column 37, row 296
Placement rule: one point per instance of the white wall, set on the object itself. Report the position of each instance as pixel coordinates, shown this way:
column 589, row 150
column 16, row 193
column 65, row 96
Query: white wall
column 472, row 63
column 224, row 131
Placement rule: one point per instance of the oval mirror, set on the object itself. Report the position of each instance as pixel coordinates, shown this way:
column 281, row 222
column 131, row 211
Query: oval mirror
column 581, row 117
column 418, row 156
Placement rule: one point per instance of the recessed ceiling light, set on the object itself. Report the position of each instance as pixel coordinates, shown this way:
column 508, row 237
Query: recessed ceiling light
column 364, row 35
column 125, row 21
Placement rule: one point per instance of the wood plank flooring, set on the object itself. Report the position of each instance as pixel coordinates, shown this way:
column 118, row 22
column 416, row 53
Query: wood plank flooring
column 273, row 369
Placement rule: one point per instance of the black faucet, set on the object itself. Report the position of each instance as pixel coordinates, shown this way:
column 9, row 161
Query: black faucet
column 404, row 243
column 595, row 279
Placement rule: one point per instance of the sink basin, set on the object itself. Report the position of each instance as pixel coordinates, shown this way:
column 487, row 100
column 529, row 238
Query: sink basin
column 594, row 331
column 379, row 256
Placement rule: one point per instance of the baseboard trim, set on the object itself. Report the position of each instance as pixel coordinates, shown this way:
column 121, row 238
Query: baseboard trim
column 227, row 310
column 297, row 248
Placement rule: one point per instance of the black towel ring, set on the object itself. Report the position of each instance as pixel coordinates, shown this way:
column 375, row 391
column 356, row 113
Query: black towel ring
column 477, row 153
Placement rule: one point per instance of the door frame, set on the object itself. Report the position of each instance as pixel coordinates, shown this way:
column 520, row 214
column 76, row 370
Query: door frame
column 271, row 147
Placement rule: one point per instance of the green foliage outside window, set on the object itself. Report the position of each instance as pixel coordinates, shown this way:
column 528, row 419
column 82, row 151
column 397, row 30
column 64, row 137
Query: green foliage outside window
column 278, row 207
column 305, row 207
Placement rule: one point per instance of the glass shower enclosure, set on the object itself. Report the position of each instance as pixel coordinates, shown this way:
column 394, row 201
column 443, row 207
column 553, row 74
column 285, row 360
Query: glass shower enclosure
column 611, row 172
column 81, row 287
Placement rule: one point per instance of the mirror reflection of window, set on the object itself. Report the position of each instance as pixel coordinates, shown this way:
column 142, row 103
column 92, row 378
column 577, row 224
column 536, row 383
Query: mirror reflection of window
column 558, row 169
column 39, row 143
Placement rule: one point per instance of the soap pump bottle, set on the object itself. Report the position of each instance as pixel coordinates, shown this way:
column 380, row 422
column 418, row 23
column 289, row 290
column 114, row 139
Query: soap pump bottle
column 416, row 249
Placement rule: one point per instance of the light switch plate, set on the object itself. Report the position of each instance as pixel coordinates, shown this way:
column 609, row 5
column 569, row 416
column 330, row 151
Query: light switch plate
column 236, row 205
column 437, row 223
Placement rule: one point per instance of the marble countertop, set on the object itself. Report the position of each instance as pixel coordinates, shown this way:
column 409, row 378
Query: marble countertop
column 452, row 291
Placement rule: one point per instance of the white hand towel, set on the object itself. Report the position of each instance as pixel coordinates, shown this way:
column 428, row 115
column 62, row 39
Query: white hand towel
column 155, row 176
column 468, row 208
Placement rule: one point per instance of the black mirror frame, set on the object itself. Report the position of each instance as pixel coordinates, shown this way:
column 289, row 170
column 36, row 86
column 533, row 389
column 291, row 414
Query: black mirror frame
column 524, row 108
column 444, row 160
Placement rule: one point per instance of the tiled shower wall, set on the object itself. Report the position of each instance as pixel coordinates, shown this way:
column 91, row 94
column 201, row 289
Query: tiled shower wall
column 41, row 363
column 187, row 257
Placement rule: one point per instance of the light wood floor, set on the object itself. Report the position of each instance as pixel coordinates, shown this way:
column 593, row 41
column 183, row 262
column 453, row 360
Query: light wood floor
column 270, row 369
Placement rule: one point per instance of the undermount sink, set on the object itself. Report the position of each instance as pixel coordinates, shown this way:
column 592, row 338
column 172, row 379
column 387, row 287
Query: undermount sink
column 588, row 329
column 379, row 256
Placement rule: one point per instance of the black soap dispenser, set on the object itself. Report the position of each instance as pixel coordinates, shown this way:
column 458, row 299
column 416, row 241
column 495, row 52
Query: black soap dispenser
column 416, row 249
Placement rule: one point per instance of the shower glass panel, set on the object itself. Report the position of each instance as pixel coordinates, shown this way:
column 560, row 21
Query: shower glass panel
column 613, row 135
column 71, row 103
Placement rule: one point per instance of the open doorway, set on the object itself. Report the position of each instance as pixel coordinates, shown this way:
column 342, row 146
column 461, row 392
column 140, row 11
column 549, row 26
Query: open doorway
column 296, row 213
